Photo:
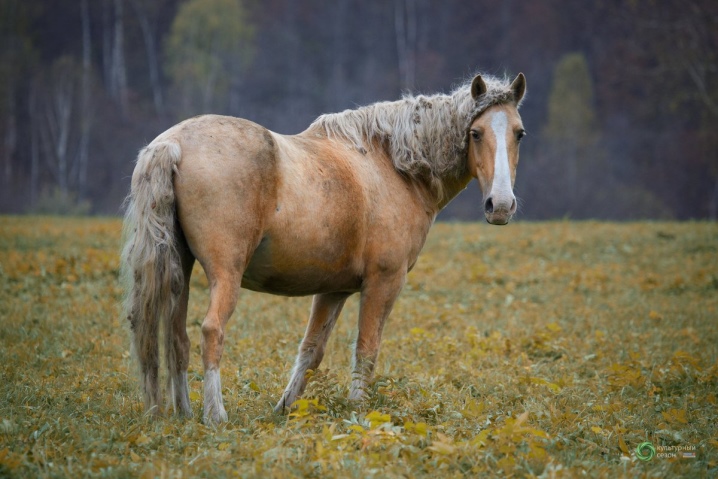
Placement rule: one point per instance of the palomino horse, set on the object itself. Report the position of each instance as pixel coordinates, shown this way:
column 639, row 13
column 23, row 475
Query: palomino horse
column 340, row 208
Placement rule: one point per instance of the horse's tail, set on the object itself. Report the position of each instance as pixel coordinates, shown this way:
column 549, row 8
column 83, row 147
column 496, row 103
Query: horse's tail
column 151, row 264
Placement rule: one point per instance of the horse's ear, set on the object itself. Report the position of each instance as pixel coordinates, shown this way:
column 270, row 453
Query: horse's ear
column 478, row 87
column 518, row 86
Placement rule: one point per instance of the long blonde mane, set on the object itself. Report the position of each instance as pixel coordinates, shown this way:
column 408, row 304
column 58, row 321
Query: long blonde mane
column 426, row 136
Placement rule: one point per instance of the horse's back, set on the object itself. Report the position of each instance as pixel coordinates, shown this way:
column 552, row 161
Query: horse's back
column 213, row 141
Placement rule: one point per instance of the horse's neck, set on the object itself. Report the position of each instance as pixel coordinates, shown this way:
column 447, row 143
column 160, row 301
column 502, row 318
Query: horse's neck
column 451, row 187
column 434, row 199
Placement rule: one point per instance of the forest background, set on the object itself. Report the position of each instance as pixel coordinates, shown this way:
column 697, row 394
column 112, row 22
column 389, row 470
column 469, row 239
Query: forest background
column 621, row 112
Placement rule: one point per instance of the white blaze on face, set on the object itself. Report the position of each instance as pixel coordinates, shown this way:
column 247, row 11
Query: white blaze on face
column 501, row 191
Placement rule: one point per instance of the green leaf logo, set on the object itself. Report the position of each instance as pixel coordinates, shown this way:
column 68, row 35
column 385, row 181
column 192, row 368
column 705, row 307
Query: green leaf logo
column 645, row 451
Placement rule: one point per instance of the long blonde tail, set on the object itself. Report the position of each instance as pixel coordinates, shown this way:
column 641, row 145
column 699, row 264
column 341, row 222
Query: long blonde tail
column 151, row 267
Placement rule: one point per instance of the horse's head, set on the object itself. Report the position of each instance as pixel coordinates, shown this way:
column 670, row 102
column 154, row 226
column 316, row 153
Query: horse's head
column 493, row 150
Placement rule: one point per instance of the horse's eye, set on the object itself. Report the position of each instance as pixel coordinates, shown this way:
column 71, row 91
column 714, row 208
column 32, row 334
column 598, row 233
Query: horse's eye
column 520, row 134
column 475, row 135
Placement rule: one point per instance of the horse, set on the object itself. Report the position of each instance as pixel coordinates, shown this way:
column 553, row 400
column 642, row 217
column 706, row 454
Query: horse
column 343, row 207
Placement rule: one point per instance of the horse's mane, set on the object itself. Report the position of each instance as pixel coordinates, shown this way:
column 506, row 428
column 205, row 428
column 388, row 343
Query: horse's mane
column 426, row 136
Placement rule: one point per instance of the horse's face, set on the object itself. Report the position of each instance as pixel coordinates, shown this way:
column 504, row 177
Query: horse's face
column 493, row 154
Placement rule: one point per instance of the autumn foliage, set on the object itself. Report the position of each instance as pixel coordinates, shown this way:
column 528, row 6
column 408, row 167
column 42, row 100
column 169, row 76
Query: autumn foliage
column 538, row 349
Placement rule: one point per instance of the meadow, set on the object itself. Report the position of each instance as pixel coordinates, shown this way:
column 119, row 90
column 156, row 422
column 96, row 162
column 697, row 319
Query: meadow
column 538, row 349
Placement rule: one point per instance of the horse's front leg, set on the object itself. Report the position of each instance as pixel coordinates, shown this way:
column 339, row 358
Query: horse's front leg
column 377, row 299
column 325, row 311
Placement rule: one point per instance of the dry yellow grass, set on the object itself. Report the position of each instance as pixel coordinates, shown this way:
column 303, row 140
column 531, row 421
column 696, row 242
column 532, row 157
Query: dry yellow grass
column 548, row 349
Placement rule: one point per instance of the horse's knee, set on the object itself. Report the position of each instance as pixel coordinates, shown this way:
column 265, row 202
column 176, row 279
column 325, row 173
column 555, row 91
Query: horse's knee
column 212, row 332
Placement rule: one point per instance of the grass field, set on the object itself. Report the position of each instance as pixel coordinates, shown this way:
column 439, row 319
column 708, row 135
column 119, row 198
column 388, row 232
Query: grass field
column 537, row 349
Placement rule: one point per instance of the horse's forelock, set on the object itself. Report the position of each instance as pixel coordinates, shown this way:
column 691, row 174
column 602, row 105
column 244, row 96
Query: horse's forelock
column 498, row 92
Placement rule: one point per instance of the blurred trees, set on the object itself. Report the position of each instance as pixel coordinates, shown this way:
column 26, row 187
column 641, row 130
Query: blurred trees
column 16, row 57
column 114, row 54
column 572, row 149
column 621, row 110
column 679, row 59
column 208, row 46
column 59, row 126
column 148, row 26
column 573, row 157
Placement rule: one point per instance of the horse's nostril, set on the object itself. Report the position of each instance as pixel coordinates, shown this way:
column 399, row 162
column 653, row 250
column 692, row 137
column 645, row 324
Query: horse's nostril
column 513, row 206
column 489, row 205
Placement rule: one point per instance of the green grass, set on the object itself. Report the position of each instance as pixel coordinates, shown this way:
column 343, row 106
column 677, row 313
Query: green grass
column 535, row 349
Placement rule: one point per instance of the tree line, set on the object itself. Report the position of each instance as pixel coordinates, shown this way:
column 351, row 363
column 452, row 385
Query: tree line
column 621, row 109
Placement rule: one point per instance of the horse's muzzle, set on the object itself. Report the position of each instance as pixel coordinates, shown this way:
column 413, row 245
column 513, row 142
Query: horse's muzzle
column 499, row 212
column 498, row 219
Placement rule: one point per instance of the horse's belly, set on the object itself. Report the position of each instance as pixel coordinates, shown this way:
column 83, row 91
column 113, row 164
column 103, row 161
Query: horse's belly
column 299, row 272
column 300, row 285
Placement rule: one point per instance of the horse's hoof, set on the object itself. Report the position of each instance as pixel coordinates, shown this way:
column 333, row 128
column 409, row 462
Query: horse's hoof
column 213, row 421
column 281, row 406
column 153, row 412
column 215, row 417
column 181, row 410
column 357, row 395
column 187, row 414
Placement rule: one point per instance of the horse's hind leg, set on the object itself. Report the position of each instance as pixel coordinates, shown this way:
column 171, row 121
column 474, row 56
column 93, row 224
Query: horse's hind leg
column 325, row 311
column 224, row 290
column 178, row 344
column 144, row 347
